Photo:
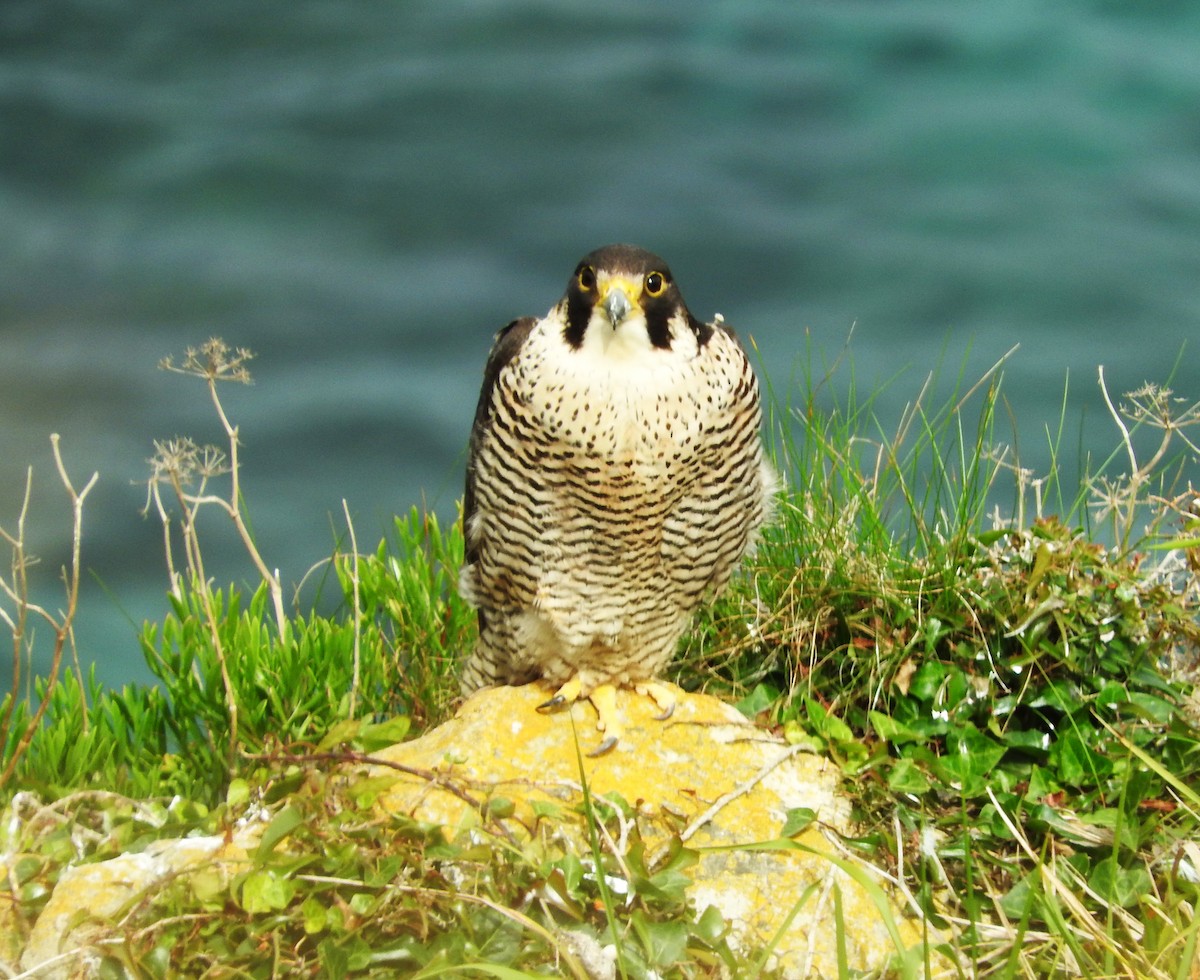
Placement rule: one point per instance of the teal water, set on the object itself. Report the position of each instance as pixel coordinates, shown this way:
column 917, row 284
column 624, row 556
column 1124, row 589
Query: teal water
column 363, row 193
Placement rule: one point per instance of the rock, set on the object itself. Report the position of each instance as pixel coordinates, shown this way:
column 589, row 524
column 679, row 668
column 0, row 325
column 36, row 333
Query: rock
column 706, row 775
column 88, row 897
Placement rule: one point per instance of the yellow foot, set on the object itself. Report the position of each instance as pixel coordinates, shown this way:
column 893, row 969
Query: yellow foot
column 662, row 696
column 604, row 700
column 567, row 694
column 608, row 719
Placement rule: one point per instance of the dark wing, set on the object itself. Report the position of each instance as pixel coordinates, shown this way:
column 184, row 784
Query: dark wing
column 504, row 348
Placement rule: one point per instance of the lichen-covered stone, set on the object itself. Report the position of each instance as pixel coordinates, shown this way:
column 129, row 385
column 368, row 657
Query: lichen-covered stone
column 705, row 774
column 89, row 898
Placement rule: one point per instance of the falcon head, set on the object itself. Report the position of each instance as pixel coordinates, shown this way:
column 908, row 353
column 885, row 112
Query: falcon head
column 622, row 301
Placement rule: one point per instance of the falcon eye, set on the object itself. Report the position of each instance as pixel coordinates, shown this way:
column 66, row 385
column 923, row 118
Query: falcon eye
column 656, row 282
column 587, row 278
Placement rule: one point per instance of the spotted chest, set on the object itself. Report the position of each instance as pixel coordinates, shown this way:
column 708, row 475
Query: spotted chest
column 600, row 487
column 622, row 426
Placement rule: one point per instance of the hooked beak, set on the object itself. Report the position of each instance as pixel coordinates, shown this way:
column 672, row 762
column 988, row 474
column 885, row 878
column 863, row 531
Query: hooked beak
column 616, row 301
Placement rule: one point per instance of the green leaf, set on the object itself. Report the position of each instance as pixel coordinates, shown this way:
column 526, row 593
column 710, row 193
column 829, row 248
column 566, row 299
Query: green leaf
column 335, row 962
column 890, row 730
column 314, row 915
column 711, row 926
column 544, row 809
column 757, row 701
column 907, row 777
column 282, row 824
column 1024, row 898
column 1122, row 886
column 1062, row 695
column 1153, row 708
column 266, row 891
column 798, row 819
column 1077, row 763
column 500, row 807
column 794, row 733
column 384, row 734
column 826, row 723
column 970, row 758
column 927, row 680
column 1029, row 739
column 572, row 872
column 339, row 734
column 666, row 941
column 238, row 792
column 1041, row 563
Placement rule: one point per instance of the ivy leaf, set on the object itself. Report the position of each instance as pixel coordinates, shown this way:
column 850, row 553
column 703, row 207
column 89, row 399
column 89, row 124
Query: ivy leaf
column 970, row 758
column 1121, row 886
column 891, row 730
column 798, row 819
column 906, row 777
column 758, row 701
column 1077, row 763
column 266, row 891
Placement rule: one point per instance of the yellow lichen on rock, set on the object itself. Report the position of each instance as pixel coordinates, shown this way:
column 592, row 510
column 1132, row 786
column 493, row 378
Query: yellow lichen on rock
column 90, row 898
column 706, row 775
column 706, row 778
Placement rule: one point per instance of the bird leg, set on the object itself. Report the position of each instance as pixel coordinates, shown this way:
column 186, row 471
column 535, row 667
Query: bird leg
column 608, row 719
column 567, row 694
column 659, row 695
column 604, row 700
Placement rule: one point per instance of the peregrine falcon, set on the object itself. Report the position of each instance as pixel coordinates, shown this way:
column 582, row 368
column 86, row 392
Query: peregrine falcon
column 615, row 478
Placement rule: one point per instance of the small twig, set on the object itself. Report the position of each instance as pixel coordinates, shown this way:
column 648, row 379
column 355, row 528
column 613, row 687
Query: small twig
column 233, row 508
column 43, row 969
column 358, row 758
column 617, row 848
column 62, row 626
column 523, row 921
column 200, row 586
column 18, row 591
column 1116, row 417
column 692, row 828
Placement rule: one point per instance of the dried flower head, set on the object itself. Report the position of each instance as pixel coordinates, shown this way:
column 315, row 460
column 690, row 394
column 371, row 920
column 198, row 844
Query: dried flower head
column 179, row 462
column 214, row 361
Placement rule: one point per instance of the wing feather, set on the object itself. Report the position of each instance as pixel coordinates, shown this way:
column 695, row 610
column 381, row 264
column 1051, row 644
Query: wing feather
column 504, row 348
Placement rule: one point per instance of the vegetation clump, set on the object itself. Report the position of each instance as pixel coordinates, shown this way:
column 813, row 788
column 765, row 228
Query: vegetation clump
column 1001, row 665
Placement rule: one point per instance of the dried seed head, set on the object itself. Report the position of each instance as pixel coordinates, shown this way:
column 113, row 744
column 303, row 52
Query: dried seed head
column 213, row 361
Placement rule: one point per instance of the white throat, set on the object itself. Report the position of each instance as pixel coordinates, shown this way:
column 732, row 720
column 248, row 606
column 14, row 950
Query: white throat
column 628, row 341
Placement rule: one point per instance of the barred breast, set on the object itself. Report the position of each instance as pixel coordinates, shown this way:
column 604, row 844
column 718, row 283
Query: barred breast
column 605, row 502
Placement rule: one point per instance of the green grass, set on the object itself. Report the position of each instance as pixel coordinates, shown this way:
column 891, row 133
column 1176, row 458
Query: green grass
column 999, row 661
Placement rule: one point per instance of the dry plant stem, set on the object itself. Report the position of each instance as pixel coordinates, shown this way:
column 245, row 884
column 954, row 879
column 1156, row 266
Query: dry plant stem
column 1116, row 417
column 1139, row 474
column 233, row 509
column 17, row 591
column 707, row 816
column 1053, row 885
column 195, row 560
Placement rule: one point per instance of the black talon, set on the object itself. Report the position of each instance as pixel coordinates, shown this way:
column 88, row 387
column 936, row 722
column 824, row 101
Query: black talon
column 666, row 714
column 603, row 747
column 555, row 702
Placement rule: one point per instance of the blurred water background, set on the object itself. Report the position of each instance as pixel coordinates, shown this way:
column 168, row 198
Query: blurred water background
column 362, row 193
